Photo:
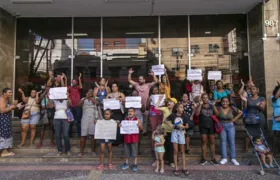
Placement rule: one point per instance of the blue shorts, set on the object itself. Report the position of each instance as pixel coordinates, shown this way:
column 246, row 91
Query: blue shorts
column 178, row 136
column 106, row 141
column 33, row 119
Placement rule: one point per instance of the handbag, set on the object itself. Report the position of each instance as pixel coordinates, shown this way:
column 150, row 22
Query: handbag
column 250, row 118
column 217, row 124
column 26, row 113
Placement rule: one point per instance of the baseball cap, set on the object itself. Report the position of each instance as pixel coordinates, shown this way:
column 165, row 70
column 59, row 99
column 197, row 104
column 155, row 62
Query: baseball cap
column 173, row 100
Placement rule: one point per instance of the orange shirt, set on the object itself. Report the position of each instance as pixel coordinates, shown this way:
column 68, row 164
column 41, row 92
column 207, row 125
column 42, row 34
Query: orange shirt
column 166, row 89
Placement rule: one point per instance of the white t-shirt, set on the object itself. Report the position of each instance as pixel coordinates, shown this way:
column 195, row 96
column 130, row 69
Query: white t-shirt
column 60, row 109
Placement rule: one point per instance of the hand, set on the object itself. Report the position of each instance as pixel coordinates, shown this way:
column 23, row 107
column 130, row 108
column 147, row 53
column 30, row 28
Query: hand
column 242, row 82
column 187, row 126
column 151, row 73
column 67, row 94
column 214, row 103
column 39, row 92
column 201, row 102
column 63, row 75
column 20, row 106
column 165, row 70
column 20, row 90
column 156, row 144
column 118, row 121
column 94, row 121
column 120, row 125
column 15, row 103
column 130, row 71
column 80, row 75
column 50, row 73
column 243, row 98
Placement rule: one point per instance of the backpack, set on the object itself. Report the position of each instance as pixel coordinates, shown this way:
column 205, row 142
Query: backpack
column 217, row 124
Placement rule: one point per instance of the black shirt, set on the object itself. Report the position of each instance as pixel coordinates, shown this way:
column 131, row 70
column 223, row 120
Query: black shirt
column 177, row 120
column 204, row 118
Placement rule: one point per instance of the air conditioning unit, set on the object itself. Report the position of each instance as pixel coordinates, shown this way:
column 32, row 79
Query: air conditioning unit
column 32, row 1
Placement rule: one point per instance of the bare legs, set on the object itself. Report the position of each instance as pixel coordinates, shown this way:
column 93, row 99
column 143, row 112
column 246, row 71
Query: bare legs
column 83, row 144
column 182, row 149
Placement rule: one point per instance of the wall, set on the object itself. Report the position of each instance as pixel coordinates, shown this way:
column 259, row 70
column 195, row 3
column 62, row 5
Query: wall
column 7, row 27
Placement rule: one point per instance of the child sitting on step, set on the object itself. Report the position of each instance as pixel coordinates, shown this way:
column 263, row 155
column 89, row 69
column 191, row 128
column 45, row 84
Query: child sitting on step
column 158, row 138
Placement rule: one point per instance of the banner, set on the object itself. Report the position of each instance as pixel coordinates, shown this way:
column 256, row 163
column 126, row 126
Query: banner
column 156, row 98
column 111, row 104
column 129, row 127
column 214, row 75
column 105, row 129
column 133, row 102
column 194, row 74
column 158, row 69
column 58, row 93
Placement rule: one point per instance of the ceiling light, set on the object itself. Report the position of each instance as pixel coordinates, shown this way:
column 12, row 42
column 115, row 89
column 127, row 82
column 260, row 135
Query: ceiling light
column 32, row 1
column 77, row 34
column 208, row 32
column 140, row 60
column 133, row 33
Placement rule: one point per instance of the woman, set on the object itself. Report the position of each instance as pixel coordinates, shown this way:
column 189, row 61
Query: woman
column 90, row 114
column 32, row 105
column 189, row 111
column 246, row 92
column 61, row 123
column 101, row 90
column 117, row 115
column 220, row 93
column 6, row 136
column 204, row 111
column 254, row 105
column 164, row 85
column 275, row 116
column 227, row 116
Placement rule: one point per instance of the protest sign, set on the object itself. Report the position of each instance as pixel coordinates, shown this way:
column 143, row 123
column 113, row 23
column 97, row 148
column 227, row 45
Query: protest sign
column 105, row 130
column 157, row 98
column 133, row 102
column 111, row 104
column 129, row 127
column 158, row 69
column 214, row 75
column 194, row 74
column 58, row 93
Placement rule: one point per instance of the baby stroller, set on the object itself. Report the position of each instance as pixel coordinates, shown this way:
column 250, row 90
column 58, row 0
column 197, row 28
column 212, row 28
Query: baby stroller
column 256, row 153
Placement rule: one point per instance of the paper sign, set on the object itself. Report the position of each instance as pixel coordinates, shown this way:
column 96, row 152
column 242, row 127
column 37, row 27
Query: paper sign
column 105, row 130
column 133, row 102
column 158, row 69
column 214, row 75
column 194, row 74
column 129, row 127
column 111, row 104
column 156, row 98
column 58, row 93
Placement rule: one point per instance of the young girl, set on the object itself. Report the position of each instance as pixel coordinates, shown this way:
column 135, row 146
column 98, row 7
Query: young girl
column 131, row 142
column 104, row 142
column 158, row 138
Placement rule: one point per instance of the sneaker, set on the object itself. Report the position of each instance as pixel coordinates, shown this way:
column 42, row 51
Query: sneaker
column 124, row 166
column 172, row 165
column 203, row 162
column 156, row 170
column 235, row 162
column 265, row 166
column 69, row 153
column 162, row 171
column 271, row 166
column 223, row 161
column 59, row 154
column 214, row 162
column 134, row 168
column 154, row 164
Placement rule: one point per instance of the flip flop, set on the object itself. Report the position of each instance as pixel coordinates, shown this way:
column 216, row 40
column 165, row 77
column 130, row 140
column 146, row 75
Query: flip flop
column 100, row 168
column 80, row 154
column 8, row 154
column 176, row 173
column 110, row 166
column 186, row 172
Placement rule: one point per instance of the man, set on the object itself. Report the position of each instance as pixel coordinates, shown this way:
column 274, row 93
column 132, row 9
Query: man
column 57, row 82
column 143, row 90
column 75, row 96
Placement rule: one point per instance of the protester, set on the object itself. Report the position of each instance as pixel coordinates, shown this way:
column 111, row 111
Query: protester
column 158, row 138
column 220, row 93
column 57, row 81
column 275, row 116
column 6, row 136
column 246, row 91
column 254, row 106
column 179, row 123
column 227, row 116
column 61, row 124
column 143, row 89
column 263, row 152
column 164, row 85
column 90, row 114
column 30, row 115
column 101, row 90
column 197, row 89
column 205, row 111
column 131, row 142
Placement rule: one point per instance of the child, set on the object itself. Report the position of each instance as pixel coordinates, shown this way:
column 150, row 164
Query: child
column 197, row 89
column 179, row 123
column 211, row 98
column 131, row 142
column 158, row 137
column 263, row 153
column 104, row 142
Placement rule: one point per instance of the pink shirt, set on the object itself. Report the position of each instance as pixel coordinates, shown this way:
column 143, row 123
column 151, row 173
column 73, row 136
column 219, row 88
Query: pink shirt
column 143, row 91
column 75, row 95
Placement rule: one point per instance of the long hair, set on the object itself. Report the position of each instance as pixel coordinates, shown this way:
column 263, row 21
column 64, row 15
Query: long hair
column 276, row 89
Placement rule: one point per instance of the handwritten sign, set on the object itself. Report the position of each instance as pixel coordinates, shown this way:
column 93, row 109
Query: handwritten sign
column 58, row 93
column 111, row 104
column 129, row 127
column 194, row 74
column 158, row 99
column 133, row 102
column 214, row 75
column 158, row 69
column 105, row 130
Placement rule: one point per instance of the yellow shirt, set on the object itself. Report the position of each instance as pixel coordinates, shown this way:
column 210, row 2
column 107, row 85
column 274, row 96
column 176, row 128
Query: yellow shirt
column 166, row 89
column 166, row 112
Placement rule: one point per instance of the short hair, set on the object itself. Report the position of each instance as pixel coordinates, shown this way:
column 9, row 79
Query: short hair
column 5, row 90
column 131, row 108
column 108, row 110
column 220, row 82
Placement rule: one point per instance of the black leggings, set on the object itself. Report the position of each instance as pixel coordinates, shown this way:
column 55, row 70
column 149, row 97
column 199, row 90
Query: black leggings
column 168, row 145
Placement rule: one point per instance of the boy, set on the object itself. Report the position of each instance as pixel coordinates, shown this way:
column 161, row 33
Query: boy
column 263, row 153
column 131, row 142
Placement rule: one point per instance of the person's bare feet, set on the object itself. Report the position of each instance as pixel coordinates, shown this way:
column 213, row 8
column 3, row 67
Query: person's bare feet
column 20, row 145
column 7, row 154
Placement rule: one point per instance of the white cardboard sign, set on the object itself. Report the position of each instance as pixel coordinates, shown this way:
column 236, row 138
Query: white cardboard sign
column 133, row 102
column 105, row 130
column 58, row 93
column 129, row 127
column 194, row 74
column 156, row 98
column 214, row 75
column 158, row 69
column 111, row 104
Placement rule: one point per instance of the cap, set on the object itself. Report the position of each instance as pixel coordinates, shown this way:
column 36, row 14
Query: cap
column 173, row 100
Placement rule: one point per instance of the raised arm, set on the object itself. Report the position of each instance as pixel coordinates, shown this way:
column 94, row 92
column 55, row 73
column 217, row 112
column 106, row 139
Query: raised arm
column 23, row 98
column 130, row 71
column 167, row 79
column 241, row 90
column 38, row 97
column 245, row 104
column 49, row 82
column 155, row 79
column 80, row 81
column 63, row 77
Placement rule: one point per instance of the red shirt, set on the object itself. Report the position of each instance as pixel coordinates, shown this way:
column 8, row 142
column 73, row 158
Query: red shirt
column 131, row 138
column 75, row 95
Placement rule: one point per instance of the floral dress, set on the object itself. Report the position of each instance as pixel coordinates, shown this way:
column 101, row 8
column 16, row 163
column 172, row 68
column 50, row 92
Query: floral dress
column 6, row 138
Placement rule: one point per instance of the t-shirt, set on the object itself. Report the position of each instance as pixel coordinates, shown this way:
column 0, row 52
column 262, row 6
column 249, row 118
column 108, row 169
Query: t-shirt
column 204, row 119
column 276, row 112
column 178, row 120
column 224, row 118
column 32, row 105
column 75, row 95
column 44, row 102
column 143, row 91
column 219, row 95
column 260, row 147
column 188, row 108
column 60, row 109
column 166, row 112
column 131, row 138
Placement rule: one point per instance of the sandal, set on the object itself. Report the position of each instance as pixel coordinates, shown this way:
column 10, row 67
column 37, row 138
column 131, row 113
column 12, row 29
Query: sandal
column 80, row 154
column 110, row 166
column 186, row 172
column 176, row 173
column 100, row 167
column 8, row 154
column 20, row 145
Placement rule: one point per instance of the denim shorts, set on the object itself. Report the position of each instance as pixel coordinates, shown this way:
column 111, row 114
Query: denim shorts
column 34, row 118
column 178, row 137
column 130, row 150
column 189, row 132
column 106, row 141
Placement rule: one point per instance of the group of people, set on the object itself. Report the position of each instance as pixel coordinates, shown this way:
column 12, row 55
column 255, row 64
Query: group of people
column 172, row 122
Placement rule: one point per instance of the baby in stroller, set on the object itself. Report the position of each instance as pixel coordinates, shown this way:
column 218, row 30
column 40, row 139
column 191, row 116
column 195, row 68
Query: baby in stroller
column 263, row 152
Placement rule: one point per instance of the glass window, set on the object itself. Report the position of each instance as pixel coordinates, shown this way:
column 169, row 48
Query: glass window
column 87, row 50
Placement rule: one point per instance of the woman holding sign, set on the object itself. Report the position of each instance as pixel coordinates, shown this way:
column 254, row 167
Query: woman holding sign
column 164, row 85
